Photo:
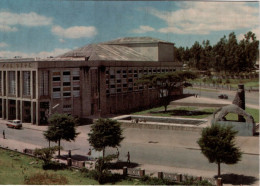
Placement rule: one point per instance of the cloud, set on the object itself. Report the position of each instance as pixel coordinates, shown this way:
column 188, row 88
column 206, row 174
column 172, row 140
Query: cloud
column 26, row 19
column 75, row 32
column 203, row 18
column 8, row 19
column 6, row 28
column 143, row 29
column 62, row 40
column 256, row 31
column 43, row 54
column 3, row 44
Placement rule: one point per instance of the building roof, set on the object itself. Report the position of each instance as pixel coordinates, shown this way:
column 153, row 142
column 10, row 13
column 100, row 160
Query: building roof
column 106, row 52
column 134, row 40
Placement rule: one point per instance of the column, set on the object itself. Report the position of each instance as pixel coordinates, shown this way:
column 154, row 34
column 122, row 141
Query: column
column 16, row 95
column 31, row 83
column 32, row 112
column 7, row 109
column 3, row 108
column 21, row 110
column 37, row 112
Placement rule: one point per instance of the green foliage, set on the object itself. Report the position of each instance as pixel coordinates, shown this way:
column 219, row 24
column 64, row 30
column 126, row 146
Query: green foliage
column 46, row 154
column 166, row 83
column 218, row 145
column 105, row 133
column 62, row 126
column 227, row 55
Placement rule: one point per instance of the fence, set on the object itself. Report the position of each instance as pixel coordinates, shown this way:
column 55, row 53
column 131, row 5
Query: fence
column 138, row 173
column 223, row 87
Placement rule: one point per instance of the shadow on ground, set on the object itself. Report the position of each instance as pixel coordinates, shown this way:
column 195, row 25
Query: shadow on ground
column 237, row 179
column 183, row 113
column 121, row 164
column 76, row 157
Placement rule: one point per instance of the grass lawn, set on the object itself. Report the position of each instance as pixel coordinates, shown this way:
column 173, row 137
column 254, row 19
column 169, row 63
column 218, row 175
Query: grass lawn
column 253, row 112
column 192, row 112
column 185, row 112
column 15, row 167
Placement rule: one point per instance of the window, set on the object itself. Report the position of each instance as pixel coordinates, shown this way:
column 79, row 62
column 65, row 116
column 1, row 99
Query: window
column 118, row 90
column 112, row 86
column 130, row 80
column 76, row 78
column 118, row 72
column 130, row 89
column 55, row 78
column 56, row 89
column 112, row 76
column 118, row 80
column 124, row 71
column 26, row 83
column 76, row 88
column 66, row 106
column 124, row 76
column 124, row 85
column 130, row 71
column 66, row 73
column 12, row 83
column 135, row 75
column 66, row 83
column 66, row 94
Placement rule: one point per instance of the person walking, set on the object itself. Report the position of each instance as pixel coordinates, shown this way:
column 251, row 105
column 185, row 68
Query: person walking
column 128, row 157
column 4, row 134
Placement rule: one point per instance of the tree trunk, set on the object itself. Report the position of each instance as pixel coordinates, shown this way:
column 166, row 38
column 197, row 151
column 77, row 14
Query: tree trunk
column 218, row 169
column 49, row 143
column 59, row 148
column 165, row 108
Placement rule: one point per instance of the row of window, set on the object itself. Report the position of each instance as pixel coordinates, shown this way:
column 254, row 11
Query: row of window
column 57, row 78
column 58, row 89
column 130, row 71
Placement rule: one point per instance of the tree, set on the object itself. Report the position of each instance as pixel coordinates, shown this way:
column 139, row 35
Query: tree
column 46, row 154
column 62, row 126
column 218, row 145
column 105, row 133
column 166, row 83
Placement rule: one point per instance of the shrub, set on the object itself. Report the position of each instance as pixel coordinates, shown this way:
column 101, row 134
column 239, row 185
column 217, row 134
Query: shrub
column 45, row 179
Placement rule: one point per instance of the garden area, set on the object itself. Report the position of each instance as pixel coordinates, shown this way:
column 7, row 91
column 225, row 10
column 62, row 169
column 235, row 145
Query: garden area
column 192, row 112
column 20, row 169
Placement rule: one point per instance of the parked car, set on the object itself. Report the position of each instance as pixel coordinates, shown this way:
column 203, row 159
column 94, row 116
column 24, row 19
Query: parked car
column 16, row 124
column 223, row 96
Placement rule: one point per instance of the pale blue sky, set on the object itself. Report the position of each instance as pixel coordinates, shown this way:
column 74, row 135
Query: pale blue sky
column 41, row 28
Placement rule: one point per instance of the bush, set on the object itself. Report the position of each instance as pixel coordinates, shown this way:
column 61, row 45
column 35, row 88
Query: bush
column 45, row 179
column 155, row 181
column 54, row 166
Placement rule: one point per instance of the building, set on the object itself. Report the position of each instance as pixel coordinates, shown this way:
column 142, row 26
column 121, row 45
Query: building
column 94, row 80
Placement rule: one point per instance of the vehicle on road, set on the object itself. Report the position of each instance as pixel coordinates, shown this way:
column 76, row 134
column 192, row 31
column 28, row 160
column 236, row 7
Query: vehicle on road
column 223, row 96
column 16, row 124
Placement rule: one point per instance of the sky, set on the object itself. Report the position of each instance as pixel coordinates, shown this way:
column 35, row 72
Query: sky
column 43, row 28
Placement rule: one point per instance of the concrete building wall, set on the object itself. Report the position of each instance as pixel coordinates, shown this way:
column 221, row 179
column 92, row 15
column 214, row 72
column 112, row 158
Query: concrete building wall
column 165, row 52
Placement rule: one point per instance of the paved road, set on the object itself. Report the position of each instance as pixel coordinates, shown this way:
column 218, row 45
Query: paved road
column 148, row 146
column 251, row 98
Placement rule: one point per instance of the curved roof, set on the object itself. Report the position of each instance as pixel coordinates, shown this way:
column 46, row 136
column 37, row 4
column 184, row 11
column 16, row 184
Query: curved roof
column 133, row 40
column 106, row 52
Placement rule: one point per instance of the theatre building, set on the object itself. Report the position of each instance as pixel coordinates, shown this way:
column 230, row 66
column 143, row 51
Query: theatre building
column 91, row 81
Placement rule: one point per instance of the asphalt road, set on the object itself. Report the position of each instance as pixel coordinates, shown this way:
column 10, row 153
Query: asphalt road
column 147, row 146
column 251, row 98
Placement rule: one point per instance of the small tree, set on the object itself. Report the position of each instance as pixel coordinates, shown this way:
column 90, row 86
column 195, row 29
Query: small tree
column 62, row 126
column 218, row 145
column 46, row 154
column 166, row 83
column 105, row 133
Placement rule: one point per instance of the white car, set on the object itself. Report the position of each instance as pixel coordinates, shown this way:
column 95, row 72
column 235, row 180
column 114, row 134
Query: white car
column 16, row 124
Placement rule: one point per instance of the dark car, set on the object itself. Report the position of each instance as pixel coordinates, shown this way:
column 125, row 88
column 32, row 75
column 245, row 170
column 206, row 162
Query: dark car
column 223, row 96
